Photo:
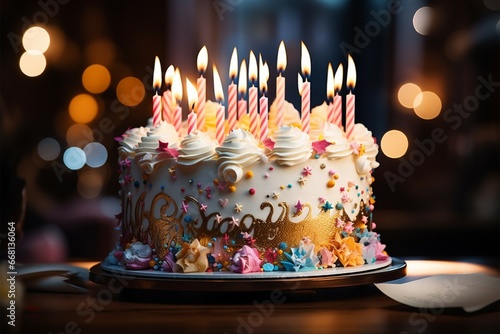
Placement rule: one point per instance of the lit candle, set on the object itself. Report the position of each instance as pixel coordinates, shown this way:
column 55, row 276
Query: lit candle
column 202, row 62
column 177, row 96
column 280, row 85
column 156, row 87
column 263, row 76
column 330, row 92
column 219, row 115
column 252, row 95
column 305, row 92
column 242, row 89
column 337, row 100
column 232, row 94
column 167, row 95
column 192, row 100
column 351, row 83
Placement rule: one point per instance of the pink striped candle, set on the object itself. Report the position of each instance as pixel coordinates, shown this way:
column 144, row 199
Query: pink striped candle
column 232, row 93
column 252, row 96
column 167, row 96
column 264, row 130
column 176, row 119
column 351, row 83
column 202, row 62
column 306, row 106
column 337, row 100
column 252, row 100
column 242, row 89
column 157, row 98
column 192, row 122
column 176, row 116
column 280, row 85
column 305, row 92
column 329, row 94
column 219, row 124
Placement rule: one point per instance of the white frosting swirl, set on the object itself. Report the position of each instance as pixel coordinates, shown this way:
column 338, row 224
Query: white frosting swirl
column 339, row 147
column 131, row 138
column 292, row 146
column 196, row 147
column 164, row 132
column 366, row 161
column 239, row 150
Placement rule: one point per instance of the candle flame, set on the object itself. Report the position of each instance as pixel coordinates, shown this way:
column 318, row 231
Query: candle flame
column 351, row 73
column 281, row 57
column 177, row 86
column 192, row 94
column 339, row 77
column 330, row 79
column 300, row 82
column 263, row 75
column 233, row 65
column 202, row 60
column 219, row 93
column 169, row 75
column 242, row 81
column 157, row 74
column 252, row 68
column 305, row 61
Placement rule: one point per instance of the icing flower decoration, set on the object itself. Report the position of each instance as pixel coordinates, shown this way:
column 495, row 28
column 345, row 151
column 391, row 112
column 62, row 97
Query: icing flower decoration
column 271, row 255
column 355, row 147
column 339, row 223
column 348, row 251
column 328, row 259
column 137, row 256
column 125, row 163
column 192, row 257
column 320, row 146
column 163, row 147
column 348, row 227
column 302, row 257
column 246, row 260
column 306, row 171
column 373, row 250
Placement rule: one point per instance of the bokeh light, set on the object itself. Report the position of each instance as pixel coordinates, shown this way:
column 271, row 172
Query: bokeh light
column 394, row 144
column 36, row 39
column 79, row 135
column 422, row 20
column 130, row 91
column 90, row 184
column 83, row 108
column 407, row 94
column 74, row 158
column 96, row 154
column 32, row 63
column 427, row 105
column 48, row 149
column 96, row 78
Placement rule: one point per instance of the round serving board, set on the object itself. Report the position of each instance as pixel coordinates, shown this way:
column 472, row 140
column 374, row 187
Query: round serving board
column 380, row 271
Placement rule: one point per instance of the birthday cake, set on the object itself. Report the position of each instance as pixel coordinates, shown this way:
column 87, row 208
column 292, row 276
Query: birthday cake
column 293, row 201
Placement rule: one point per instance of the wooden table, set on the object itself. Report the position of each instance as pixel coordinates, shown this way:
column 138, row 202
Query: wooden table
column 361, row 309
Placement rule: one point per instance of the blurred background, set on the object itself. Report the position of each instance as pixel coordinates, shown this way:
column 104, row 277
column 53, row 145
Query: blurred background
column 76, row 74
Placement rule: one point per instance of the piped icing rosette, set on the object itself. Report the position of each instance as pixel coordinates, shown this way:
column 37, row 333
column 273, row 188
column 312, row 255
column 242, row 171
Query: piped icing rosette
column 196, row 147
column 339, row 147
column 149, row 154
column 292, row 146
column 365, row 160
column 130, row 140
column 239, row 150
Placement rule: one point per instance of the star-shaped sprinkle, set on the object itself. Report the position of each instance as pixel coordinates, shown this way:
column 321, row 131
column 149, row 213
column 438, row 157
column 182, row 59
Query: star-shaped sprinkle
column 203, row 207
column 339, row 223
column 163, row 147
column 185, row 207
column 342, row 189
column 225, row 238
column 355, row 147
column 235, row 221
column 302, row 180
column 171, row 170
column 306, row 171
column 299, row 206
column 276, row 195
column 327, row 206
column 238, row 207
column 321, row 199
column 348, row 227
column 362, row 149
column 364, row 219
column 320, row 146
column 269, row 143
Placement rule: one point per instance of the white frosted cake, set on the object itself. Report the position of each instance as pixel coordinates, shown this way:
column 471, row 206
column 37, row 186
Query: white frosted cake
column 295, row 201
